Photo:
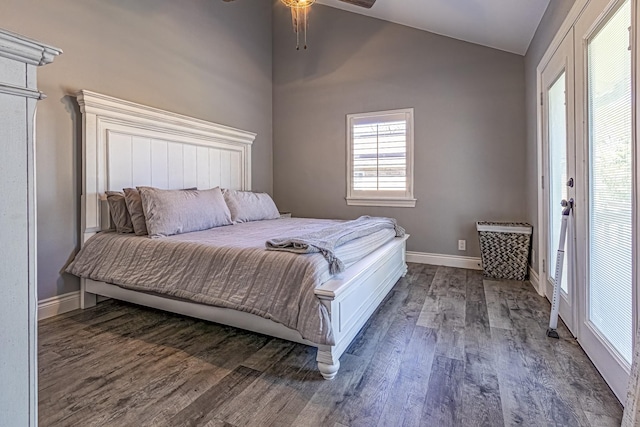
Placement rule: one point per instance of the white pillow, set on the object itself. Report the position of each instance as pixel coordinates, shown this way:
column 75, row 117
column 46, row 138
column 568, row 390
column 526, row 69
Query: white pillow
column 248, row 206
column 169, row 212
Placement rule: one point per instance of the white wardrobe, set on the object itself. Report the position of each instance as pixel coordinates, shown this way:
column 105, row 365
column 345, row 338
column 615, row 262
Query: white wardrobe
column 19, row 59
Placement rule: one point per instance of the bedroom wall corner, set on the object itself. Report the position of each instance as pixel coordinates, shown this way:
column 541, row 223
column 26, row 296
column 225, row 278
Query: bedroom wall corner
column 551, row 21
column 469, row 114
column 206, row 59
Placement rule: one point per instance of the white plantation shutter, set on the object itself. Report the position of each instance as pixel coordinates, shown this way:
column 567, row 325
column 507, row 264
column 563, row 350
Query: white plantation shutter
column 380, row 158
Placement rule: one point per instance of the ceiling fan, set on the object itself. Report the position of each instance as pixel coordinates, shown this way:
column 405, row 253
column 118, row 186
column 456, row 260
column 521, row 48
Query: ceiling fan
column 300, row 14
column 362, row 3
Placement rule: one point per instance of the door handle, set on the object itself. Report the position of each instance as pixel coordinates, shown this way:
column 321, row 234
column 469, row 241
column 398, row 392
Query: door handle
column 567, row 205
column 570, row 183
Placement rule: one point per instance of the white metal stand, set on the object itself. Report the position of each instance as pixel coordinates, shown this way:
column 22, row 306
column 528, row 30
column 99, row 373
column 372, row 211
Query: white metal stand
column 555, row 302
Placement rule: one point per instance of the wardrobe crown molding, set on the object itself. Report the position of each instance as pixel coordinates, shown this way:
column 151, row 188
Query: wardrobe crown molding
column 23, row 49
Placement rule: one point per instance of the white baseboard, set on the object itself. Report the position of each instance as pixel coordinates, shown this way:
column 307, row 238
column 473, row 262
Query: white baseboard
column 58, row 305
column 535, row 280
column 446, row 260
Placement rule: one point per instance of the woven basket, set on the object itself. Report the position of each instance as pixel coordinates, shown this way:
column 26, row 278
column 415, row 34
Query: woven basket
column 505, row 249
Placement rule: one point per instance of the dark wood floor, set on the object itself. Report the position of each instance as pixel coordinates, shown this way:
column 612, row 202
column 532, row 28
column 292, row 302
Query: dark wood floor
column 444, row 349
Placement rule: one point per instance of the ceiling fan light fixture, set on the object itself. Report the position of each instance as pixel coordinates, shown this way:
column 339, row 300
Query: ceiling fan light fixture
column 300, row 14
column 298, row 4
column 300, row 18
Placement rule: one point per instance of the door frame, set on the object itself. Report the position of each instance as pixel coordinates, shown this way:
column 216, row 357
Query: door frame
column 635, row 154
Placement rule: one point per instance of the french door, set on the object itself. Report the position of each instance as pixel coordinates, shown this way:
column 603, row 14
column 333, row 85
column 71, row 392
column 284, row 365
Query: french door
column 559, row 160
column 590, row 156
column 606, row 228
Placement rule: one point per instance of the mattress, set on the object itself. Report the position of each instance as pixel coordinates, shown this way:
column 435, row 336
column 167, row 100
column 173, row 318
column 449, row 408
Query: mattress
column 228, row 267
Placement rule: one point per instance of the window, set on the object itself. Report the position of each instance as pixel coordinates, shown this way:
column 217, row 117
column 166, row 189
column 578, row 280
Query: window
column 380, row 159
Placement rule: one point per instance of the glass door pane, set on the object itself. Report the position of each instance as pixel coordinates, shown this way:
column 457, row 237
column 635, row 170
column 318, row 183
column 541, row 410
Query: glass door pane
column 557, row 170
column 610, row 182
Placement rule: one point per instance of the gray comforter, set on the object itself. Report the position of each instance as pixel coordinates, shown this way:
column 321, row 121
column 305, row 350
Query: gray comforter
column 228, row 267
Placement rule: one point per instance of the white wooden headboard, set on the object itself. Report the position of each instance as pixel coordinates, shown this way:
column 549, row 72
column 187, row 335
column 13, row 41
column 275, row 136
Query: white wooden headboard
column 127, row 145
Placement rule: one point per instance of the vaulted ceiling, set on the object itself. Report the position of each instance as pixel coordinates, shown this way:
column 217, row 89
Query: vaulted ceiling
column 502, row 24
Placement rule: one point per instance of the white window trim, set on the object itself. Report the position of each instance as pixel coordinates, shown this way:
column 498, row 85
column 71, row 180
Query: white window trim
column 360, row 198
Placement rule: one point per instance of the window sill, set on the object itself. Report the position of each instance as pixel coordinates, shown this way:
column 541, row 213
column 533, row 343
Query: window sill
column 393, row 203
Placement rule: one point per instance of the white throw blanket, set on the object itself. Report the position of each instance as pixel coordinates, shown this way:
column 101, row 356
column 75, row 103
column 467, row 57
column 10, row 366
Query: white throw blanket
column 326, row 241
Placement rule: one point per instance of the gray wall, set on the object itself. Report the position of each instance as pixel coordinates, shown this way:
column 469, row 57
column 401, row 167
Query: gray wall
column 469, row 115
column 553, row 17
column 203, row 58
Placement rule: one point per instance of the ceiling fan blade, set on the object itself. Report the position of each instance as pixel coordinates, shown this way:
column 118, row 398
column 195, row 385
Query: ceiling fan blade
column 362, row 3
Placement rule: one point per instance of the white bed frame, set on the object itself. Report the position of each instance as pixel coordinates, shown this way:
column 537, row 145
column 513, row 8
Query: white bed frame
column 127, row 145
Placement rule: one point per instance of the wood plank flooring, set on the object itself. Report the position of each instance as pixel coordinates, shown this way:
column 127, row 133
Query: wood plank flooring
column 445, row 348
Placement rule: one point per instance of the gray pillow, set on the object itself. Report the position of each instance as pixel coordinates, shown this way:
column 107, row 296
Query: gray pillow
column 119, row 213
column 248, row 206
column 170, row 212
column 134, row 206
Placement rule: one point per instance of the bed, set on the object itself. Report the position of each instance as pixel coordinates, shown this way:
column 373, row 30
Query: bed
column 127, row 145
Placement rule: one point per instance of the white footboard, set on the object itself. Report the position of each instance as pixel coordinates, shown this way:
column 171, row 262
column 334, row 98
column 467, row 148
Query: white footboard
column 353, row 296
